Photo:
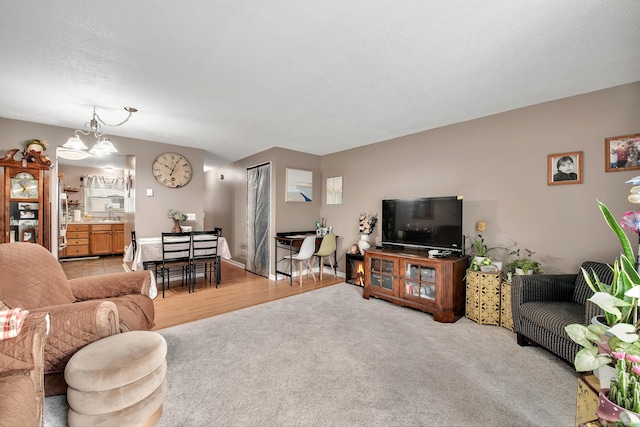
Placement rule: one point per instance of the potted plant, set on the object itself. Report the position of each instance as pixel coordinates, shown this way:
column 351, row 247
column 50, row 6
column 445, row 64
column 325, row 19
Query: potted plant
column 615, row 341
column 524, row 265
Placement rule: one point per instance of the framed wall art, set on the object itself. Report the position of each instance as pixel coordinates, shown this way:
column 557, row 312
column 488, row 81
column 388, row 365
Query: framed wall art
column 334, row 190
column 28, row 235
column 564, row 168
column 299, row 186
column 621, row 153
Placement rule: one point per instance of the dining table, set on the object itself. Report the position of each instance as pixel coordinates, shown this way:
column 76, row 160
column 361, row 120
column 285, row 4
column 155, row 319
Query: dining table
column 149, row 250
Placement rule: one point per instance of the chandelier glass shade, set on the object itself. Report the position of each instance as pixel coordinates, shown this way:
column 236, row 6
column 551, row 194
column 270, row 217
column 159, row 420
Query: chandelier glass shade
column 103, row 145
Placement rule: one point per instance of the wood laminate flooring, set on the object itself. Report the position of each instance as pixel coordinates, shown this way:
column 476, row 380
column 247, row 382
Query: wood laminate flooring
column 238, row 289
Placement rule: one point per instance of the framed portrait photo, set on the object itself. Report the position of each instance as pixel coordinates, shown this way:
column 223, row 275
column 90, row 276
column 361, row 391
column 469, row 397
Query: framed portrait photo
column 299, row 186
column 564, row 168
column 28, row 235
column 621, row 153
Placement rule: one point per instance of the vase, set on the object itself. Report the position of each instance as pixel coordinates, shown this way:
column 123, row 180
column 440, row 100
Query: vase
column 176, row 227
column 364, row 243
column 608, row 412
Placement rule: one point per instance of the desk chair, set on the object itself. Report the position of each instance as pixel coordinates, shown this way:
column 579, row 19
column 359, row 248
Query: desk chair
column 304, row 256
column 176, row 253
column 327, row 248
column 204, row 251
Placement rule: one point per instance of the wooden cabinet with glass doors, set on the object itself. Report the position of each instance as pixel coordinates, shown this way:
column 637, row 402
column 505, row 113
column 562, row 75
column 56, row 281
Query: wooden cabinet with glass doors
column 25, row 210
column 410, row 278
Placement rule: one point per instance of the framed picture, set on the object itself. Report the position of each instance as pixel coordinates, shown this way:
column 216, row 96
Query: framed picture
column 621, row 153
column 564, row 168
column 28, row 235
column 334, row 190
column 27, row 214
column 299, row 186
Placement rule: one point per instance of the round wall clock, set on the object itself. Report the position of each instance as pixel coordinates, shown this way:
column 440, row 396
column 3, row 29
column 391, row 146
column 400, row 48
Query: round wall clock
column 172, row 170
column 24, row 186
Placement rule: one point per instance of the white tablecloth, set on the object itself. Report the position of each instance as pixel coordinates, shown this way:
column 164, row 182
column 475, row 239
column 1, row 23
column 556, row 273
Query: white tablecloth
column 150, row 249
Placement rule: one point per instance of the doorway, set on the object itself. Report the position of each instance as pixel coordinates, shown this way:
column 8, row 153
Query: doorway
column 258, row 213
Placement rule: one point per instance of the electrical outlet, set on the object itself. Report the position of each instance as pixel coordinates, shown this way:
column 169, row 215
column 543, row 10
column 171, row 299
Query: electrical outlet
column 191, row 217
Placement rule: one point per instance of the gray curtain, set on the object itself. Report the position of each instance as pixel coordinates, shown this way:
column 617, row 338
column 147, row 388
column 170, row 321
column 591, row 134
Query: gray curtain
column 258, row 208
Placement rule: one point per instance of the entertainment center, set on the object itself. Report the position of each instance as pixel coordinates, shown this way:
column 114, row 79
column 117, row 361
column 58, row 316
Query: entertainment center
column 410, row 278
column 410, row 268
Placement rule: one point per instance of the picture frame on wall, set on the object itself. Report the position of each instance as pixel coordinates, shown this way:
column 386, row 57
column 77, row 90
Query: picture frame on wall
column 334, row 190
column 622, row 153
column 299, row 186
column 564, row 168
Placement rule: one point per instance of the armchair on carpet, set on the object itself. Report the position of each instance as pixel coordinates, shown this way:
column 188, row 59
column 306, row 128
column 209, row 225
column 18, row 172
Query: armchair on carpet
column 82, row 310
column 543, row 304
column 21, row 374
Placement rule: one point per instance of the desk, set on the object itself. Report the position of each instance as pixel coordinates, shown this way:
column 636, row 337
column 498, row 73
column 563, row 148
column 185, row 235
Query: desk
column 150, row 249
column 292, row 240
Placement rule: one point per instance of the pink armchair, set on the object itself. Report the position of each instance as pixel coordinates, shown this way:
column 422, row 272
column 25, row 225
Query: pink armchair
column 82, row 310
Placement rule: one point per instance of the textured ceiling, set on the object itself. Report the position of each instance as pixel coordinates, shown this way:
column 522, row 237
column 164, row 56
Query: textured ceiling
column 237, row 77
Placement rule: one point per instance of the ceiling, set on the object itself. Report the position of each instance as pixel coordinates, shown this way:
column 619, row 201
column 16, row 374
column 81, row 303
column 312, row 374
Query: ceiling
column 237, row 77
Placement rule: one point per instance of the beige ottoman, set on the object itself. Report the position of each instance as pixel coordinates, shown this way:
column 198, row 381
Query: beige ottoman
column 118, row 380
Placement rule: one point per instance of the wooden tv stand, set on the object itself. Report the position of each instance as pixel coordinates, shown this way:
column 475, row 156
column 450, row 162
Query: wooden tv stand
column 410, row 278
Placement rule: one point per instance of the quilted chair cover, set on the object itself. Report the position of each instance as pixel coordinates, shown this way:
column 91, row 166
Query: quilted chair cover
column 543, row 304
column 21, row 374
column 82, row 310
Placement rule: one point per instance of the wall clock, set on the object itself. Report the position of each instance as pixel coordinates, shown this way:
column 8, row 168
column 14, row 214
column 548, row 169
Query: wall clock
column 24, row 186
column 172, row 170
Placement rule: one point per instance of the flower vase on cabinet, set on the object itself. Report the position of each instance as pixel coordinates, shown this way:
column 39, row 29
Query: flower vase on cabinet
column 176, row 227
column 364, row 243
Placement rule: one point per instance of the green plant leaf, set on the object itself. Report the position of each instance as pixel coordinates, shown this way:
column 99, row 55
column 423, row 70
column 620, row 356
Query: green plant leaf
column 582, row 335
column 609, row 303
column 625, row 332
column 588, row 359
column 613, row 224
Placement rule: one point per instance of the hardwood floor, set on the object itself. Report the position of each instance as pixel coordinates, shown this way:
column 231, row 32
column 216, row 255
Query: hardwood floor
column 238, row 289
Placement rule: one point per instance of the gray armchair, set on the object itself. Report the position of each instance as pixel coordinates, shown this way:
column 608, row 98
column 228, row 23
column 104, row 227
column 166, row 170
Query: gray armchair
column 543, row 304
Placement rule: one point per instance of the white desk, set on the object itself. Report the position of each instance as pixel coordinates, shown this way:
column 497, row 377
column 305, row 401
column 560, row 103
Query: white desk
column 150, row 249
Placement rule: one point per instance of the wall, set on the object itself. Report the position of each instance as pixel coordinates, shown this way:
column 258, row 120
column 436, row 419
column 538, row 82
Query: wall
column 498, row 163
column 150, row 212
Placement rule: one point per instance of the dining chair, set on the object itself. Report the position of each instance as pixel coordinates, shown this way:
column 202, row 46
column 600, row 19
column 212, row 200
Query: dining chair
column 204, row 251
column 134, row 243
column 304, row 255
column 176, row 253
column 218, row 231
column 327, row 248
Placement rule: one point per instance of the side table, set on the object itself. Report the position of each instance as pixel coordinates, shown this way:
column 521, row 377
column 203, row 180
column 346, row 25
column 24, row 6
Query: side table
column 587, row 400
column 506, row 318
column 482, row 301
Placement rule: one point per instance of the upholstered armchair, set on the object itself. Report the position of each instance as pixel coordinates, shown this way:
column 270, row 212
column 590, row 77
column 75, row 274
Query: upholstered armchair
column 543, row 304
column 21, row 374
column 82, row 310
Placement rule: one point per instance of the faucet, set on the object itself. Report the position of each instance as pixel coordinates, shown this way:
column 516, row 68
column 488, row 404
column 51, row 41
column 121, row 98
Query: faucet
column 109, row 211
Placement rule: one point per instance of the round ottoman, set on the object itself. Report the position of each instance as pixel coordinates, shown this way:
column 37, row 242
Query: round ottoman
column 118, row 380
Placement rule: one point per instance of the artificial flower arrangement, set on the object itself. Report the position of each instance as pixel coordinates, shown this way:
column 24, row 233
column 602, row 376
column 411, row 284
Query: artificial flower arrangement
column 176, row 215
column 367, row 223
column 617, row 341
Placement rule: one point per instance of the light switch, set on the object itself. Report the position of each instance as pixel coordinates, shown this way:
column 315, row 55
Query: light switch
column 149, row 192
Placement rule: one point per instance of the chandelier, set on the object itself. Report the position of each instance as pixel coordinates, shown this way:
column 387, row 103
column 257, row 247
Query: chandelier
column 103, row 145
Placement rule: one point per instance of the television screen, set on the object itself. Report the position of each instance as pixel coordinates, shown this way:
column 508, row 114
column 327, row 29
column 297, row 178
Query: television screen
column 430, row 223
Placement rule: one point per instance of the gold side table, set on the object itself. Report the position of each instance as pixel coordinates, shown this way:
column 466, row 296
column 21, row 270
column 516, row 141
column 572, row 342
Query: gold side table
column 506, row 318
column 482, row 301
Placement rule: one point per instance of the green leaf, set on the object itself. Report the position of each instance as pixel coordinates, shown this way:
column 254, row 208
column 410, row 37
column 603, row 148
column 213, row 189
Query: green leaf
column 588, row 359
column 624, row 332
column 609, row 303
column 613, row 224
column 582, row 335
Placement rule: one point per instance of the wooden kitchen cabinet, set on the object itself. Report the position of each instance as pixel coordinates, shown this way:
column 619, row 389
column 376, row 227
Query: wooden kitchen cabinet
column 101, row 236
column 77, row 241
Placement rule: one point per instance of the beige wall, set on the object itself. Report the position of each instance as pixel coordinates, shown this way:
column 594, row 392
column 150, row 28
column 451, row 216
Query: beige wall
column 499, row 165
column 150, row 212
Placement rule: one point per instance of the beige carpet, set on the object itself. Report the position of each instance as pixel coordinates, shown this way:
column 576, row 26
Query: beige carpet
column 331, row 358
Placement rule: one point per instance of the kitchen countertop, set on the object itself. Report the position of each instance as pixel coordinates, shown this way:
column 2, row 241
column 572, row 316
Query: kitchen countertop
column 94, row 222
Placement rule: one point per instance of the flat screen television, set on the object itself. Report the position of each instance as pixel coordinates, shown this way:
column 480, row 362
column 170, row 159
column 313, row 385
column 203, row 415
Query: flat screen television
column 423, row 223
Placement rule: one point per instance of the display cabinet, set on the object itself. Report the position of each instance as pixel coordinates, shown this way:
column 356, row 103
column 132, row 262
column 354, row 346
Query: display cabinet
column 25, row 213
column 410, row 278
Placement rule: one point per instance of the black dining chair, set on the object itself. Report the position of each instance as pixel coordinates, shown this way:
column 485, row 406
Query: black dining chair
column 134, row 243
column 176, row 254
column 204, row 252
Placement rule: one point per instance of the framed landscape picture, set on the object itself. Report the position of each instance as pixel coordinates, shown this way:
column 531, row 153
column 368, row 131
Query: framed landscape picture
column 621, row 153
column 299, row 186
column 564, row 168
